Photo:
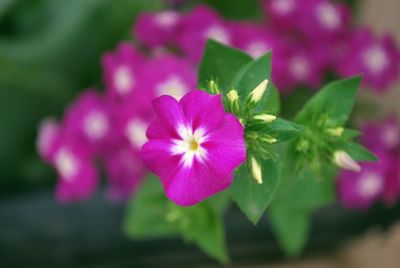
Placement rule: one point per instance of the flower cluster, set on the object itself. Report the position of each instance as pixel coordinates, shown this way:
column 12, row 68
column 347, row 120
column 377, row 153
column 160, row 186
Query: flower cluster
column 310, row 39
column 379, row 181
column 108, row 129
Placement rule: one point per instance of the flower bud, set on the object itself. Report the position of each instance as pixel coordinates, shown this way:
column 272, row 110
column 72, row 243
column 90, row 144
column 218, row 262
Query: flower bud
column 213, row 87
column 233, row 99
column 344, row 161
column 258, row 92
column 255, row 170
column 267, row 118
column 336, row 132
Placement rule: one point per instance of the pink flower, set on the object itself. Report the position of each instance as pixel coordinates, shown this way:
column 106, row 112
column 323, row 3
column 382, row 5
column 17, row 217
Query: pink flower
column 377, row 60
column 193, row 146
column 167, row 75
column 77, row 174
column 48, row 132
column 383, row 135
column 124, row 170
column 120, row 71
column 157, row 29
column 201, row 24
column 87, row 119
column 298, row 65
column 323, row 20
column 254, row 39
column 283, row 14
column 361, row 190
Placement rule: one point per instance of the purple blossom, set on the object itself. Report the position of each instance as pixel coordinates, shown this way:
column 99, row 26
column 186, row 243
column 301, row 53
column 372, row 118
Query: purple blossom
column 167, row 75
column 77, row 174
column 361, row 190
column 253, row 38
column 47, row 136
column 157, row 29
column 323, row 20
column 87, row 119
column 377, row 60
column 124, row 170
column 294, row 65
column 193, row 146
column 383, row 135
column 197, row 26
column 120, row 71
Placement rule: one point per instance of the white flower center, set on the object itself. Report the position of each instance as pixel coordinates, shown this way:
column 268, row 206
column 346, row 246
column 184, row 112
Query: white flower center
column 218, row 33
column 376, row 59
column 173, row 86
column 370, row 184
column 391, row 136
column 328, row 16
column 135, row 131
column 95, row 125
column 66, row 164
column 189, row 146
column 299, row 68
column 123, row 80
column 257, row 49
column 283, row 7
column 166, row 19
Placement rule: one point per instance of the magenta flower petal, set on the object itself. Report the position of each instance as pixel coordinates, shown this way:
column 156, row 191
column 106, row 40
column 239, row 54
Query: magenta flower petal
column 208, row 112
column 190, row 185
column 226, row 140
column 47, row 136
column 170, row 113
column 194, row 146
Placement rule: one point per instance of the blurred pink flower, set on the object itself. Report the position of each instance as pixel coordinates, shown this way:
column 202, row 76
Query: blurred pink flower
column 87, row 119
column 193, row 146
column 157, row 29
column 120, row 71
column 199, row 25
column 377, row 60
column 167, row 75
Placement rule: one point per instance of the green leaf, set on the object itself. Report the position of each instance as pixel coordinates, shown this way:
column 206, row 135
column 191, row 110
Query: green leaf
column 334, row 103
column 146, row 213
column 150, row 214
column 292, row 228
column 283, row 130
column 358, row 152
column 203, row 226
column 250, row 76
column 220, row 63
column 251, row 197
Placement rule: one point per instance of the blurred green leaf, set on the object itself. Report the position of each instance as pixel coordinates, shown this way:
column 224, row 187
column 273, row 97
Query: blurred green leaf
column 251, row 197
column 220, row 63
column 334, row 101
column 358, row 152
column 292, row 228
column 150, row 214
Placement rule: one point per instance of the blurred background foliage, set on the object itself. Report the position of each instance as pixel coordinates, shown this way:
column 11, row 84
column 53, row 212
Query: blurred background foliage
column 49, row 51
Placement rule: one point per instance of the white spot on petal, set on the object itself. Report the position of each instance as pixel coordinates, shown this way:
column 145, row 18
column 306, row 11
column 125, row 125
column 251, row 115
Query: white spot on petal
column 375, row 59
column 173, row 86
column 135, row 131
column 391, row 136
column 283, row 7
column 370, row 184
column 257, row 49
column 66, row 164
column 166, row 19
column 328, row 16
column 123, row 80
column 218, row 33
column 299, row 67
column 95, row 125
